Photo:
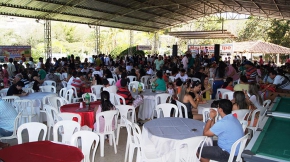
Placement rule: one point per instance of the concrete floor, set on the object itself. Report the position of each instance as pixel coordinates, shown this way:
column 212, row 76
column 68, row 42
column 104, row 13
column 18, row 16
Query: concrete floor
column 110, row 156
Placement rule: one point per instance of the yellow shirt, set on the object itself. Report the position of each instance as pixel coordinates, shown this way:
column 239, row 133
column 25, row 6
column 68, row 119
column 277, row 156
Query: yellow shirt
column 241, row 87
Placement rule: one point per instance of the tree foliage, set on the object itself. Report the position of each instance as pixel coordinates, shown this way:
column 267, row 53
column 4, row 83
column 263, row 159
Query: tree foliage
column 279, row 32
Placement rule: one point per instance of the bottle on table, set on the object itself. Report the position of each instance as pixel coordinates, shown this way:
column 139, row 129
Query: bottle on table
column 87, row 99
column 134, row 88
column 139, row 87
column 153, row 87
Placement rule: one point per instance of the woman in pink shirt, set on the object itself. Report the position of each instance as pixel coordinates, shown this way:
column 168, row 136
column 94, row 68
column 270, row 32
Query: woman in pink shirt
column 231, row 72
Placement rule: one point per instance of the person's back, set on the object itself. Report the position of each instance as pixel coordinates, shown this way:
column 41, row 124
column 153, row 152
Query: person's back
column 241, row 87
column 7, row 117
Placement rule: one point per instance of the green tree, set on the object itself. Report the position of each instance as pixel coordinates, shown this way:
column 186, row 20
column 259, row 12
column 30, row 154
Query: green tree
column 279, row 32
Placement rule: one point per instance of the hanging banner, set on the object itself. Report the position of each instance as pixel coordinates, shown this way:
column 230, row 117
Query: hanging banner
column 225, row 48
column 15, row 52
column 143, row 47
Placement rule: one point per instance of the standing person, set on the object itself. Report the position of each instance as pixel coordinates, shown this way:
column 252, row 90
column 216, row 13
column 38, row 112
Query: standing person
column 40, row 62
column 5, row 75
column 251, row 71
column 11, row 68
column 185, row 62
column 23, row 58
column 261, row 61
column 231, row 72
column 158, row 63
column 228, row 130
column 218, row 76
column 31, row 63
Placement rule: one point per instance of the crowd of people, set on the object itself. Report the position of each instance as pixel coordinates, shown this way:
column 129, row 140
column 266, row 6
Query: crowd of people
column 171, row 74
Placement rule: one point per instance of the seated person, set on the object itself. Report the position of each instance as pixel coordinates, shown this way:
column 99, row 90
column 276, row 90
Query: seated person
column 51, row 76
column 16, row 89
column 182, row 75
column 279, row 81
column 124, row 92
column 243, row 85
column 108, row 87
column 160, row 84
column 105, row 105
column 228, row 130
column 79, row 83
column 36, row 81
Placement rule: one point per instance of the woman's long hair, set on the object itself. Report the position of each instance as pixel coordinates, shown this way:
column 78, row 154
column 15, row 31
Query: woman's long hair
column 105, row 101
column 240, row 100
column 228, row 80
column 221, row 69
column 254, row 90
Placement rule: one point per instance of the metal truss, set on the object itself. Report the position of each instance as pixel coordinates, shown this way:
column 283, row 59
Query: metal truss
column 98, row 36
column 47, row 39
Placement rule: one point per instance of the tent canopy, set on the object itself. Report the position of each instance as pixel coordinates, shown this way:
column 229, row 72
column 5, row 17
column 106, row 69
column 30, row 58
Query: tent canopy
column 142, row 15
column 260, row 47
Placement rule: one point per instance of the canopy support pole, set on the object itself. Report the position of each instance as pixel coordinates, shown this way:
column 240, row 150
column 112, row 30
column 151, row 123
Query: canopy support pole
column 131, row 42
column 278, row 59
column 47, row 39
column 98, row 35
column 156, row 39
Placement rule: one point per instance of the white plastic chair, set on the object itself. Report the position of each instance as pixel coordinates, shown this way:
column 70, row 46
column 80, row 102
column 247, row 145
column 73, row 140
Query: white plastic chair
column 241, row 114
column 132, row 143
column 28, row 90
column 166, row 109
column 26, row 107
column 111, row 89
column 51, row 116
column 132, row 78
column 185, row 148
column 96, row 89
column 161, row 98
column 134, row 84
column 89, row 140
column 181, row 108
column 125, row 111
column 49, row 82
column 145, row 80
column 111, row 81
column 64, row 84
column 47, row 88
column 242, row 141
column 69, row 116
column 228, row 95
column 10, row 99
column 93, row 97
column 118, row 99
column 16, row 124
column 221, row 91
column 263, row 111
column 109, row 117
column 115, row 77
column 68, row 95
column 3, row 92
column 205, row 114
column 34, row 129
column 68, row 129
column 75, row 94
column 253, row 115
column 64, row 76
column 195, row 79
column 171, row 78
column 56, row 102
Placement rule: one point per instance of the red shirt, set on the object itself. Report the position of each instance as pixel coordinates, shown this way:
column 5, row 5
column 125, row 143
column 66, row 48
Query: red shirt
column 124, row 92
column 78, row 83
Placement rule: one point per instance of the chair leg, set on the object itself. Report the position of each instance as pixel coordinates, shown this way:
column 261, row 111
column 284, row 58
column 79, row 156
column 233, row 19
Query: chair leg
column 127, row 150
column 114, row 143
column 131, row 153
column 102, row 142
column 118, row 134
column 48, row 133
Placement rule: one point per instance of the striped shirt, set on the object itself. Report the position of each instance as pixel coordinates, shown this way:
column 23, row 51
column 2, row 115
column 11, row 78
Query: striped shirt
column 251, row 74
column 126, row 94
column 78, row 83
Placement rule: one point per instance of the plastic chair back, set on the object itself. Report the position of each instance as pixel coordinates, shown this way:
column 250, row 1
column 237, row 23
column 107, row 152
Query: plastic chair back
column 51, row 115
column 241, row 114
column 28, row 90
column 93, row 97
column 221, row 91
column 68, row 129
column 64, row 84
column 161, row 98
column 34, row 129
column 48, row 88
column 3, row 92
column 186, row 147
column 69, row 116
column 134, row 84
column 166, row 109
column 132, row 78
column 111, row 89
column 55, row 102
column 96, row 89
column 10, row 99
column 50, row 83
column 181, row 108
column 195, row 79
column 16, row 124
column 68, row 95
column 24, row 106
column 145, row 80
column 205, row 114
column 118, row 99
column 115, row 77
column 124, row 110
column 111, row 81
column 89, row 140
column 109, row 117
column 242, row 141
column 228, row 95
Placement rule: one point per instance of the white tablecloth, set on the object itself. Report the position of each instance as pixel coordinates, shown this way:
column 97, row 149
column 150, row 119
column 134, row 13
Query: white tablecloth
column 146, row 109
column 205, row 105
column 37, row 102
column 163, row 133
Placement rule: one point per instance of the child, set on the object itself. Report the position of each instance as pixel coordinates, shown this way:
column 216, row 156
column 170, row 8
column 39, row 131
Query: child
column 170, row 89
column 228, row 84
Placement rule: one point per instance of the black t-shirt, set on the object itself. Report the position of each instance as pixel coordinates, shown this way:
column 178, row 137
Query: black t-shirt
column 198, row 75
column 13, row 90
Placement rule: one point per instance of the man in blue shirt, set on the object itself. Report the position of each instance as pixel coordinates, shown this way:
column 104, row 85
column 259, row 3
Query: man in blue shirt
column 228, row 130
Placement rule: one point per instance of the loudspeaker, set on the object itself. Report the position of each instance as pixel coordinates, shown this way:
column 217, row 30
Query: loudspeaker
column 174, row 50
column 217, row 52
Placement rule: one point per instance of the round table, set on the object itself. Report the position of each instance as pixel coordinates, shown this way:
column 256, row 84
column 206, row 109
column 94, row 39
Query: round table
column 87, row 115
column 146, row 109
column 163, row 133
column 44, row 151
column 37, row 95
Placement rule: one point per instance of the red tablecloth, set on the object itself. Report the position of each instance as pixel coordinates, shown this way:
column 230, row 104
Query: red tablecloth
column 41, row 151
column 88, row 116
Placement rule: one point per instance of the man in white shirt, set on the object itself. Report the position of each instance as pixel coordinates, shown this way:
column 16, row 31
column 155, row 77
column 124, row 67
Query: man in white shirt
column 182, row 75
column 185, row 62
column 40, row 62
column 279, row 81
column 72, row 78
column 107, row 61
column 129, row 66
column 149, row 71
column 11, row 68
column 85, row 69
